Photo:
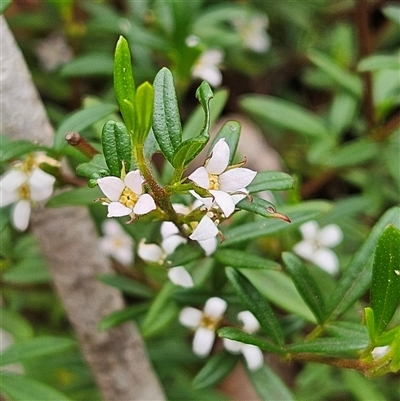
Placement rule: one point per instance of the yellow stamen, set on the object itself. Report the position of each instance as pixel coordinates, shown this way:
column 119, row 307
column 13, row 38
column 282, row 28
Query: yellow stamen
column 209, row 322
column 128, row 198
column 24, row 191
column 214, row 181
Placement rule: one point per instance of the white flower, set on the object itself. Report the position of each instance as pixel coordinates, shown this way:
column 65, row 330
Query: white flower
column 221, row 180
column 252, row 354
column 53, row 51
column 116, row 242
column 204, row 323
column 206, row 67
column 379, row 352
column 180, row 276
column 252, row 32
column 205, row 230
column 25, row 184
column 316, row 243
column 126, row 197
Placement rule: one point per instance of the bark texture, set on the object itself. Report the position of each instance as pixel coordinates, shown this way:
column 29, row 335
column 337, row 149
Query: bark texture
column 67, row 237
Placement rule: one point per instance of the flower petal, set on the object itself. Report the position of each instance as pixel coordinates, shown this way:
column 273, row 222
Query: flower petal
column 205, row 230
column 171, row 243
column 215, row 307
column 330, row 236
column 190, row 317
column 209, row 245
column 111, row 228
column 203, row 341
column 150, row 252
column 168, row 228
column 250, row 323
column 200, row 178
column 133, row 181
column 6, row 198
column 224, row 201
column 21, row 214
column 41, row 193
column 180, row 276
column 111, row 187
column 305, row 249
column 12, row 180
column 41, row 179
column 235, row 347
column 219, row 160
column 309, row 230
column 253, row 355
column 145, row 204
column 116, row 209
column 235, row 179
column 327, row 260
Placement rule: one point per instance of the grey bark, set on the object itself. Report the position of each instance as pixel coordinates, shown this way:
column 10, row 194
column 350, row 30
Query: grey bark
column 67, row 237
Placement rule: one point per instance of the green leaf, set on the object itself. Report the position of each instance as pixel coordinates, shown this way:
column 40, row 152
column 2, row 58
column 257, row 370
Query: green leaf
column 231, row 132
column 357, row 277
column 15, row 324
column 183, row 255
column 244, row 260
column 190, row 148
column 305, row 284
column 4, row 5
column 347, row 330
column 75, row 197
column 117, row 147
column 379, row 62
column 342, row 112
column 269, row 385
column 27, row 271
column 236, row 334
column 284, row 114
column 344, row 78
column 14, row 149
column 166, row 119
column 298, row 215
column 385, row 285
column 126, row 285
column 360, row 387
column 124, row 84
column 395, row 364
column 216, row 368
column 334, row 346
column 392, row 11
column 260, row 206
column 370, row 323
column 121, row 316
column 21, row 388
column 144, row 100
column 93, row 168
column 271, row 181
column 256, row 304
column 34, row 348
column 89, row 65
column 81, row 120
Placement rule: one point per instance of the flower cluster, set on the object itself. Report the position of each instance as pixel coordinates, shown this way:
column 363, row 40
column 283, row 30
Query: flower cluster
column 23, row 186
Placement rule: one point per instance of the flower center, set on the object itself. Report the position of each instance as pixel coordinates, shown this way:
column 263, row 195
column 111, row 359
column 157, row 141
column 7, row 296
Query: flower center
column 128, row 198
column 209, row 322
column 214, row 181
column 24, row 192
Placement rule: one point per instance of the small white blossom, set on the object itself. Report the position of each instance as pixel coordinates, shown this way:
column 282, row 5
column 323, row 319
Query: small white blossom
column 116, row 242
column 252, row 354
column 253, row 34
column 207, row 67
column 379, row 352
column 180, row 276
column 204, row 323
column 316, row 243
column 224, row 182
column 24, row 185
column 53, row 51
column 125, row 197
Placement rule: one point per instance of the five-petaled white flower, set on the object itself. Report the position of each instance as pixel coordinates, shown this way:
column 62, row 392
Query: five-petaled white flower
column 207, row 67
column 223, row 182
column 23, row 186
column 116, row 242
column 125, row 197
column 252, row 354
column 252, row 32
column 205, row 324
column 316, row 243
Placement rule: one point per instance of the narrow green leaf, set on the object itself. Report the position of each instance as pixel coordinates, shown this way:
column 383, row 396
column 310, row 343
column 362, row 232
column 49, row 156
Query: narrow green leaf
column 269, row 385
column 231, row 132
column 260, row 206
column 344, row 78
column 144, row 101
column 166, row 119
column 21, row 388
column 370, row 323
column 357, row 277
column 347, row 330
column 342, row 112
column 380, row 62
column 92, row 64
column 190, row 148
column 236, row 334
column 124, row 84
column 395, row 364
column 298, row 215
column 78, row 196
column 392, row 11
column 360, row 387
column 330, row 346
column 256, row 304
column 121, row 316
column 14, row 149
column 126, row 285
column 284, row 114
column 80, row 120
column 244, row 260
column 271, row 181
column 305, row 284
column 183, row 255
column 93, row 168
column 216, row 368
column 34, row 348
column 15, row 324
column 27, row 271
column 385, row 285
